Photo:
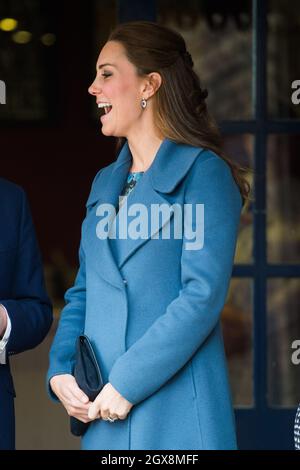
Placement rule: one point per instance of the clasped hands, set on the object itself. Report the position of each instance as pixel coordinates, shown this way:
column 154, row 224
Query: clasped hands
column 108, row 404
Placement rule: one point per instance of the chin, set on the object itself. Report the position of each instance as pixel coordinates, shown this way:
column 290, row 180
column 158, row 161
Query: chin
column 107, row 133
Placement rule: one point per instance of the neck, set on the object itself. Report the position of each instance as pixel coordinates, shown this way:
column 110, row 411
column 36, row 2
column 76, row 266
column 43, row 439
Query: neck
column 144, row 140
column 143, row 151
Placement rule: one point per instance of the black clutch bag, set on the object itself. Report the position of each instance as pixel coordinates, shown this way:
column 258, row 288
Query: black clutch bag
column 88, row 377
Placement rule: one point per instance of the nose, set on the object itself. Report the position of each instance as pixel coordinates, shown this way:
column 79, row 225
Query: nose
column 93, row 89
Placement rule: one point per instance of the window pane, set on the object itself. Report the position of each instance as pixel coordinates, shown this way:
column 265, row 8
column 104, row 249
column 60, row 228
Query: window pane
column 28, row 59
column 283, row 65
column 219, row 37
column 283, row 331
column 240, row 149
column 237, row 330
column 283, row 203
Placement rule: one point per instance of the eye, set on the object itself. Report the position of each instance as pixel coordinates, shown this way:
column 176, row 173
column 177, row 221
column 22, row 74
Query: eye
column 105, row 75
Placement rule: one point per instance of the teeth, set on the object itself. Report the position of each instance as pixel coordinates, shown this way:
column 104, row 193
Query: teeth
column 103, row 105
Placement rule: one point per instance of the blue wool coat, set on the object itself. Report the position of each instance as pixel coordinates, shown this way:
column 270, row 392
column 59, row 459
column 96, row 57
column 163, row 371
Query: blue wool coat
column 152, row 307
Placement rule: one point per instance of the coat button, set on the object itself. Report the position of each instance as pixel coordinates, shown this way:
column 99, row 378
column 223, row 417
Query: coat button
column 125, row 281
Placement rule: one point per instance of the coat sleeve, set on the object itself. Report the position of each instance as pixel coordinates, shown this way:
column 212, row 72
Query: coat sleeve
column 175, row 336
column 71, row 325
column 29, row 308
column 71, row 322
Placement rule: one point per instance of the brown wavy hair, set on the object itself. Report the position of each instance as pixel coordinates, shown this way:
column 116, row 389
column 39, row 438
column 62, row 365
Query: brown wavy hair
column 180, row 110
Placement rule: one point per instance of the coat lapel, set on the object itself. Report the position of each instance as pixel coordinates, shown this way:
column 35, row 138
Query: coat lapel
column 170, row 165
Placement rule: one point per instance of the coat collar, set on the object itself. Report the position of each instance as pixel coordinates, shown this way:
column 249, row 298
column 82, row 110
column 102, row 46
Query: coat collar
column 169, row 156
column 171, row 163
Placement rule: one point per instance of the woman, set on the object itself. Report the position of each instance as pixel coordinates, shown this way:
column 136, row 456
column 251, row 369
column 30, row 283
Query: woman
column 149, row 303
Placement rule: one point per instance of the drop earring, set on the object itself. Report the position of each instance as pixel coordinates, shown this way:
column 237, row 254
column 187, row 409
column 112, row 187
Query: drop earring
column 143, row 103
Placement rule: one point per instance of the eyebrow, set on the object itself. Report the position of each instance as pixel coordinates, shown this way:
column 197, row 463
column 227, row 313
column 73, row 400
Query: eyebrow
column 103, row 65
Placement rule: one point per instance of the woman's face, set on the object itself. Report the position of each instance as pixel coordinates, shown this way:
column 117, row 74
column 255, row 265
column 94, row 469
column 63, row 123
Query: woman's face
column 117, row 83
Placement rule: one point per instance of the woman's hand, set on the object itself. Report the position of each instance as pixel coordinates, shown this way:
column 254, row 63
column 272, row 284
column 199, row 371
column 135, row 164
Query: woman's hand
column 109, row 403
column 71, row 396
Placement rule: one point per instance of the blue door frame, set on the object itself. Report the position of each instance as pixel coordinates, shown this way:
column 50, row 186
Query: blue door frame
column 259, row 427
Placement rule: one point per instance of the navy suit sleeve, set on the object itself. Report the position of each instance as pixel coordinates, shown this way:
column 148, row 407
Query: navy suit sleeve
column 28, row 306
column 175, row 336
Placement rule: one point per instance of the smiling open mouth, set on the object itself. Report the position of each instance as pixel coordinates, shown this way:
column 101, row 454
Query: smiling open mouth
column 104, row 108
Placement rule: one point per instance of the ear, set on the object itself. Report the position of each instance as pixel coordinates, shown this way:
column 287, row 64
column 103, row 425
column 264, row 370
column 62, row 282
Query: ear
column 152, row 84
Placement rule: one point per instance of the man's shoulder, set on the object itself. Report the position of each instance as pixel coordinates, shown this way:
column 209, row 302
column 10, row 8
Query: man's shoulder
column 11, row 196
column 11, row 189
